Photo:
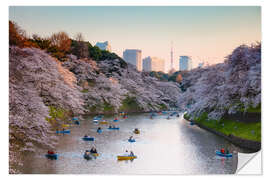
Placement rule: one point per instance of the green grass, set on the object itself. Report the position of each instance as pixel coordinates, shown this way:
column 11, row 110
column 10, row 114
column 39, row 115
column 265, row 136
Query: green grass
column 129, row 104
column 254, row 110
column 108, row 107
column 163, row 107
column 84, row 91
column 250, row 131
column 57, row 113
column 250, row 109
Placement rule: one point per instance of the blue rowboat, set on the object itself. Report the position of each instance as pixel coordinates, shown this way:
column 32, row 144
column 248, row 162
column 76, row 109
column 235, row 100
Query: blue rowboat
column 88, row 138
column 223, row 155
column 75, row 119
column 99, row 131
column 63, row 132
column 116, row 120
column 114, row 128
column 52, row 156
column 87, row 156
column 131, row 140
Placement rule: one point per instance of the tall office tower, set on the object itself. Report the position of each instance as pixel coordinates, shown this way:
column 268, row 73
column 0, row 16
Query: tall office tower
column 104, row 46
column 153, row 64
column 185, row 63
column 133, row 56
column 171, row 55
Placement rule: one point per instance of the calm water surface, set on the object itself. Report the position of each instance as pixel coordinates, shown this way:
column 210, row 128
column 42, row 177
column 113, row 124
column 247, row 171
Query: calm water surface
column 163, row 147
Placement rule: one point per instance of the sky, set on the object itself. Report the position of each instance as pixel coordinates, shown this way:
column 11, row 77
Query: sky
column 206, row 33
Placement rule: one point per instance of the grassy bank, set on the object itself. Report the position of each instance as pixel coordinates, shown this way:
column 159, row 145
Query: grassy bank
column 249, row 131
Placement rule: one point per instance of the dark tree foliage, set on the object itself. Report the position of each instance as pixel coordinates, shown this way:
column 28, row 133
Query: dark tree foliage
column 80, row 49
column 95, row 53
column 42, row 43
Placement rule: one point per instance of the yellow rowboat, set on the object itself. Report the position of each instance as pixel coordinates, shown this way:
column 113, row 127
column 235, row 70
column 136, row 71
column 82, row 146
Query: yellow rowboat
column 120, row 158
column 103, row 122
column 95, row 154
column 65, row 125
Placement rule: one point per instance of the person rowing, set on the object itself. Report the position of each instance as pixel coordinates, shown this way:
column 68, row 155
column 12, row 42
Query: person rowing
column 130, row 138
column 131, row 153
column 93, row 150
column 222, row 151
column 51, row 152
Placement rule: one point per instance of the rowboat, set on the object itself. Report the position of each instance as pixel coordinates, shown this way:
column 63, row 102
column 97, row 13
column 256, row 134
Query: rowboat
column 88, row 138
column 63, row 132
column 87, row 156
column 223, row 155
column 52, row 156
column 103, row 122
column 99, row 131
column 131, row 140
column 95, row 154
column 114, row 128
column 65, row 125
column 120, row 158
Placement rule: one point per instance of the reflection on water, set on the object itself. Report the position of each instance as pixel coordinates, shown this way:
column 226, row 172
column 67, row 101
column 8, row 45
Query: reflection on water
column 163, row 147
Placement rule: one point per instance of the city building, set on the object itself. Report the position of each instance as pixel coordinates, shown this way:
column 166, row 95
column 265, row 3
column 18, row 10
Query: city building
column 133, row 56
column 185, row 63
column 153, row 64
column 200, row 65
column 104, row 45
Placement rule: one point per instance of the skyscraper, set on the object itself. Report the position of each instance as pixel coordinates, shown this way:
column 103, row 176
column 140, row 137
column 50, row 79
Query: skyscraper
column 171, row 55
column 104, row 45
column 153, row 64
column 200, row 65
column 185, row 63
column 133, row 56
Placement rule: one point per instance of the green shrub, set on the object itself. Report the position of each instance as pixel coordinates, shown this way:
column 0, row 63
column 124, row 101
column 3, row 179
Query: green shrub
column 57, row 113
column 250, row 131
column 129, row 104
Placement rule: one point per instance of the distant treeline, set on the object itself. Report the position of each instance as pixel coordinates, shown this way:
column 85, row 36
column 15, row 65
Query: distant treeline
column 59, row 45
column 176, row 76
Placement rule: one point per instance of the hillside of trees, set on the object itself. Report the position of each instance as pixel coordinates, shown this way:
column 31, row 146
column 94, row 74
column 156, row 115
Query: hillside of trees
column 226, row 88
column 53, row 79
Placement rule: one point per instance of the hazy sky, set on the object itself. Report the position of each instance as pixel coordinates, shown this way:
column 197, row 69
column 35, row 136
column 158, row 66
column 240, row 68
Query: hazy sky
column 206, row 33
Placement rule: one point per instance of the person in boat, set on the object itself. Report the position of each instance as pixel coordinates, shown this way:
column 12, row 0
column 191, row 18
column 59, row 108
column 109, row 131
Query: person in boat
column 131, row 153
column 87, row 152
column 222, row 151
column 93, row 150
column 99, row 128
column 85, row 136
column 126, row 153
column 227, row 151
column 51, row 152
column 115, row 119
column 130, row 138
column 110, row 126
